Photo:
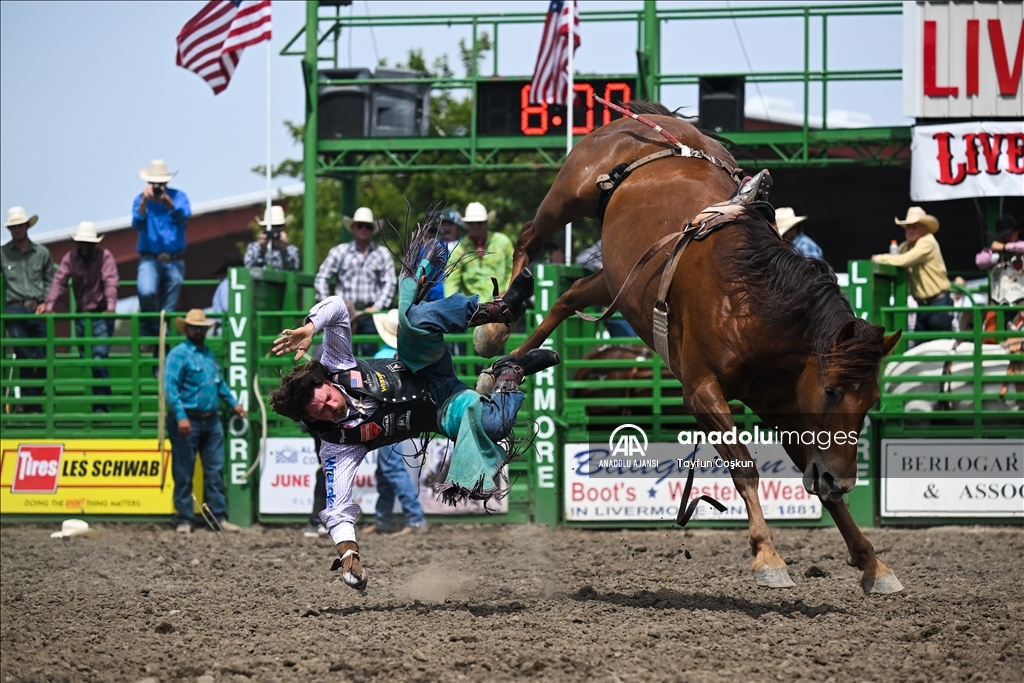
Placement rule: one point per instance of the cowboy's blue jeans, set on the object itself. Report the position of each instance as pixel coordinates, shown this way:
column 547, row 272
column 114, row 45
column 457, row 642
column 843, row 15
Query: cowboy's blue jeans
column 207, row 437
column 159, row 285
column 24, row 329
column 100, row 328
column 393, row 480
column 449, row 315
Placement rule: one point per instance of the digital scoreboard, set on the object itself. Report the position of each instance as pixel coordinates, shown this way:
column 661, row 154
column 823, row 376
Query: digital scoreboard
column 504, row 108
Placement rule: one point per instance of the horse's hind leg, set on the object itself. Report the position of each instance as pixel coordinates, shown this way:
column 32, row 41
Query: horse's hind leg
column 877, row 577
column 712, row 413
column 590, row 291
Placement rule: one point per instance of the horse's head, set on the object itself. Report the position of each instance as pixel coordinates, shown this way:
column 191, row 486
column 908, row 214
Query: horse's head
column 834, row 392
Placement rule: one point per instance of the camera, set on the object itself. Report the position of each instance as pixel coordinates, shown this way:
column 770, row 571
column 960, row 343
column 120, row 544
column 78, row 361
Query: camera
column 158, row 190
column 274, row 233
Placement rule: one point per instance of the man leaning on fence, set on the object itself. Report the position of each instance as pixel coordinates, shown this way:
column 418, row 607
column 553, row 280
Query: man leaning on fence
column 94, row 280
column 195, row 386
column 28, row 271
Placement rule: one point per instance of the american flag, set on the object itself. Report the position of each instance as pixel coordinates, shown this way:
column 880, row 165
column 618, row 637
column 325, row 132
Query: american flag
column 550, row 75
column 211, row 43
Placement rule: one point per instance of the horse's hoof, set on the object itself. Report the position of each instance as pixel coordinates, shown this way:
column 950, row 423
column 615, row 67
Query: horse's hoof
column 882, row 584
column 773, row 577
column 485, row 384
column 353, row 581
column 489, row 340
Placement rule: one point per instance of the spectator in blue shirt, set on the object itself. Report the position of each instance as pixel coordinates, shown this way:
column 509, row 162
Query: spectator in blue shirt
column 194, row 387
column 160, row 215
column 787, row 220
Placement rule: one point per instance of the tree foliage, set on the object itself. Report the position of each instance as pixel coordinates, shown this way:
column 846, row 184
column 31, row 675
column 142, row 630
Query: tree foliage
column 404, row 197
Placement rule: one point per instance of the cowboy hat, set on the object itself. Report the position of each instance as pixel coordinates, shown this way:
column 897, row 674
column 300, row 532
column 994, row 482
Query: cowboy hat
column 476, row 213
column 786, row 218
column 157, row 172
column 387, row 326
column 363, row 215
column 274, row 216
column 1005, row 226
column 195, row 318
column 16, row 215
column 74, row 527
column 916, row 214
column 86, row 232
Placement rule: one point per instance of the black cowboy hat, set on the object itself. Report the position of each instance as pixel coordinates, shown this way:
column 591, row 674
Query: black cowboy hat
column 1005, row 225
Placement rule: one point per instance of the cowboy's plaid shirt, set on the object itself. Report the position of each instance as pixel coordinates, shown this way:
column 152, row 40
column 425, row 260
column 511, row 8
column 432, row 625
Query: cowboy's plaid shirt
column 365, row 280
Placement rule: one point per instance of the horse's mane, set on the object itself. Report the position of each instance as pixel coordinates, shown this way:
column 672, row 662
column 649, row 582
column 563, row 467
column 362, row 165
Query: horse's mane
column 793, row 292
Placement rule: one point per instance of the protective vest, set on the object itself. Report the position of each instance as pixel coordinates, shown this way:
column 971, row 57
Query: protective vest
column 404, row 410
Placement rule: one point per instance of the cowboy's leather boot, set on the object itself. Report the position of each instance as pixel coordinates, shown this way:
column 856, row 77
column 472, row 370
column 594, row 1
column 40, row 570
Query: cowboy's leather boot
column 510, row 372
column 508, row 308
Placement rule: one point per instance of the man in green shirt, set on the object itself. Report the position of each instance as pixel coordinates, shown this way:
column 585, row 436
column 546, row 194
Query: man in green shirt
column 486, row 255
column 28, row 273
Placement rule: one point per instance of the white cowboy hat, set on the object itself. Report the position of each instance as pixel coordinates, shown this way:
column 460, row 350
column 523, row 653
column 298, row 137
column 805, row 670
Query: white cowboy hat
column 916, row 214
column 74, row 527
column 274, row 216
column 363, row 215
column 477, row 213
column 196, row 318
column 157, row 172
column 786, row 218
column 387, row 326
column 86, row 232
column 16, row 215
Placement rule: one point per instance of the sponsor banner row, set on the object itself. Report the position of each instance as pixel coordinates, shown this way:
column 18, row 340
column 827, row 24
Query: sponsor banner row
column 109, row 476
column 288, row 477
column 953, row 477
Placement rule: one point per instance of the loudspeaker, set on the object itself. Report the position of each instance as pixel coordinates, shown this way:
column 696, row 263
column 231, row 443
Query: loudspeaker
column 344, row 110
column 722, row 102
column 399, row 109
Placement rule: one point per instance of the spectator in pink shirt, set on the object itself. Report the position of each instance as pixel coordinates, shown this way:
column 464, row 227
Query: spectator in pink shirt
column 93, row 275
column 1005, row 258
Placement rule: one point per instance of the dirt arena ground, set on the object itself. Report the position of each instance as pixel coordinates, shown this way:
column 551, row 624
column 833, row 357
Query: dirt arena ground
column 494, row 603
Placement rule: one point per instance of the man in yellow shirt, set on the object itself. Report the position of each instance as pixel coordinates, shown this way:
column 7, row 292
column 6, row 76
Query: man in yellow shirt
column 480, row 256
column 926, row 271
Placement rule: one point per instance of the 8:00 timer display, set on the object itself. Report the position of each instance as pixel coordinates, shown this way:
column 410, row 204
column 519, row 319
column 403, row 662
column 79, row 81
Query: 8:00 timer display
column 504, row 108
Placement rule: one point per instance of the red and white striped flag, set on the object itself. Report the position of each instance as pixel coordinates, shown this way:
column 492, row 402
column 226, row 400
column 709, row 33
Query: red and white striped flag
column 550, row 74
column 211, row 43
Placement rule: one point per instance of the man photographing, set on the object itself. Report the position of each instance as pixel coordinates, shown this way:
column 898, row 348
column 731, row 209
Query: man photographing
column 271, row 248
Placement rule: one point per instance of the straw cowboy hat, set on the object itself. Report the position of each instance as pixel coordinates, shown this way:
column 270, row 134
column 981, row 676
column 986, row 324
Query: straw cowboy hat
column 17, row 215
column 195, row 318
column 916, row 214
column 157, row 172
column 86, row 232
column 476, row 213
column 786, row 218
column 363, row 215
column 387, row 326
column 74, row 527
column 274, row 216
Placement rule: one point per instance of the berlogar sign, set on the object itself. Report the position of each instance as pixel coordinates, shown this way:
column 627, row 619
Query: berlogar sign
column 108, row 476
column 975, row 159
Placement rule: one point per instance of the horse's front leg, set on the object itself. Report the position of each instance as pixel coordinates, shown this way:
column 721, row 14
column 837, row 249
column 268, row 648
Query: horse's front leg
column 877, row 577
column 589, row 291
column 712, row 411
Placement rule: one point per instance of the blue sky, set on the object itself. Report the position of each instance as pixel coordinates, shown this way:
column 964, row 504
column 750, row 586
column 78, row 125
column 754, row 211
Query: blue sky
column 90, row 91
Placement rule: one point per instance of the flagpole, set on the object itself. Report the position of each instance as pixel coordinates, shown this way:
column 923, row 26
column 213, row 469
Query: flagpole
column 267, row 212
column 569, row 100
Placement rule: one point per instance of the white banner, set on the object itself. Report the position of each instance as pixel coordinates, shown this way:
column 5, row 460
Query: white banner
column 593, row 494
column 953, row 477
column 976, row 159
column 289, row 476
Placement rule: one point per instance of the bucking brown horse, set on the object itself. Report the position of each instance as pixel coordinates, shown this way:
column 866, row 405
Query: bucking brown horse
column 748, row 318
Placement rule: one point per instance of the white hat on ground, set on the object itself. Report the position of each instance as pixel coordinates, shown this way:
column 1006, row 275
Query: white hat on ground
column 157, row 172
column 74, row 527
column 786, row 218
column 86, row 232
column 477, row 213
column 17, row 215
